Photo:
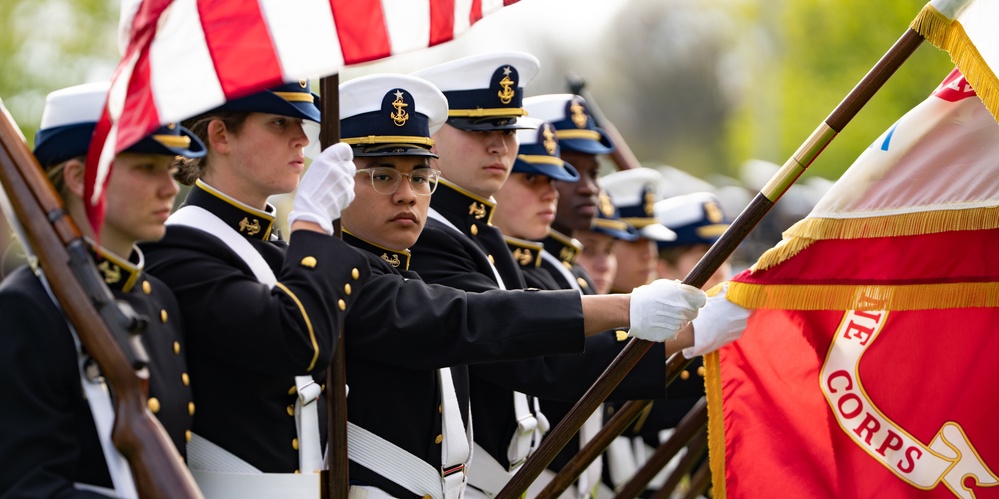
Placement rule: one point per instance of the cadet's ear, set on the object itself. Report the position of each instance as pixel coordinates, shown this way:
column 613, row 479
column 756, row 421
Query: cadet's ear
column 218, row 136
column 73, row 173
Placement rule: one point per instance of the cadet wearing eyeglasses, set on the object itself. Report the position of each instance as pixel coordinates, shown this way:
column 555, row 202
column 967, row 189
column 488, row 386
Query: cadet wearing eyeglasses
column 407, row 342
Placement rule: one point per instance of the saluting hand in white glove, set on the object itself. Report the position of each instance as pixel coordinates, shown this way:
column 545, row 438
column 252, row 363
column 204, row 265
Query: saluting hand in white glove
column 661, row 309
column 719, row 323
column 326, row 188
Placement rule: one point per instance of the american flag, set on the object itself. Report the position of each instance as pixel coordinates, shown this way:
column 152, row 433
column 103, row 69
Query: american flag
column 184, row 57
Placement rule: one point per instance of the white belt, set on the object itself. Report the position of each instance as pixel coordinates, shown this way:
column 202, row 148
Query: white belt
column 402, row 468
column 589, row 480
column 307, row 424
column 221, row 475
column 486, row 473
column 621, row 461
column 532, row 425
column 366, row 492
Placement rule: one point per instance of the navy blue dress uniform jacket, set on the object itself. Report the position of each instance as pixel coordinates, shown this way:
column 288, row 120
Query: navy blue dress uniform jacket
column 48, row 439
column 247, row 342
column 443, row 256
column 401, row 330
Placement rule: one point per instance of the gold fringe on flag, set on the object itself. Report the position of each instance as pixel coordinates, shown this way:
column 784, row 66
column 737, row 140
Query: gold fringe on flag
column 803, row 233
column 864, row 296
column 716, row 424
column 949, row 35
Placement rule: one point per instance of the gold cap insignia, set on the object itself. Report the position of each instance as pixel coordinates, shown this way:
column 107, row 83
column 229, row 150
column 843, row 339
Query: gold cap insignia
column 549, row 142
column 579, row 117
column 606, row 206
column 650, row 202
column 506, row 93
column 713, row 212
column 400, row 116
column 303, row 83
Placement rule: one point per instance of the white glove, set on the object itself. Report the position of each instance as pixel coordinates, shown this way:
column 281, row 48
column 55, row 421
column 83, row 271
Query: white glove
column 661, row 309
column 326, row 188
column 719, row 323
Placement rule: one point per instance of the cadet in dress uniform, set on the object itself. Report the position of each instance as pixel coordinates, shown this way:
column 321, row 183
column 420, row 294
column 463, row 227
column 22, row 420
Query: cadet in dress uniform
column 460, row 248
column 633, row 192
column 698, row 221
column 261, row 314
column 597, row 257
column 403, row 335
column 580, row 144
column 56, row 417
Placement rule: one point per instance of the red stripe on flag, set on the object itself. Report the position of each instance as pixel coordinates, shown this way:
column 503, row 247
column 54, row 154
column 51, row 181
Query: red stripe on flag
column 362, row 31
column 441, row 21
column 475, row 13
column 142, row 117
column 240, row 45
column 890, row 260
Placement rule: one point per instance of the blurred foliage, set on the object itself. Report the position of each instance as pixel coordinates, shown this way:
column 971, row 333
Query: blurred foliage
column 705, row 85
column 50, row 44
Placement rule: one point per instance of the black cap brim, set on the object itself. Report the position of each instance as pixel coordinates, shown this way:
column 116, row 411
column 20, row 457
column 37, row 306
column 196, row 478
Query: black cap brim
column 489, row 124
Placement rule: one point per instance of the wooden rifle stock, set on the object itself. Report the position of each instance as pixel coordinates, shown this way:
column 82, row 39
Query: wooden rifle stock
column 157, row 467
column 622, row 155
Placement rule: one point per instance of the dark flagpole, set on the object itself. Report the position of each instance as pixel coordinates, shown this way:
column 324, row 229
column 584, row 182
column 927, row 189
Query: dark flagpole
column 335, row 484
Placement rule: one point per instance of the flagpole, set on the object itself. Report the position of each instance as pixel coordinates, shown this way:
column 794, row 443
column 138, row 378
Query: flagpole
column 718, row 254
column 336, row 476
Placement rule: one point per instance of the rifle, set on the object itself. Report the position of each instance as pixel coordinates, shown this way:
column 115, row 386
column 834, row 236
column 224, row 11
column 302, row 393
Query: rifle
column 719, row 252
column 622, row 155
column 107, row 332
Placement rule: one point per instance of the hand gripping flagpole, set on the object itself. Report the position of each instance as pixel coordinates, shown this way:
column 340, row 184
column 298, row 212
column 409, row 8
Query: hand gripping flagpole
column 719, row 252
column 335, row 482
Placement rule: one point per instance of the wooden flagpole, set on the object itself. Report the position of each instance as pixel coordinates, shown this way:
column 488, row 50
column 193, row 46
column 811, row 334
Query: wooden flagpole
column 719, row 252
column 336, row 482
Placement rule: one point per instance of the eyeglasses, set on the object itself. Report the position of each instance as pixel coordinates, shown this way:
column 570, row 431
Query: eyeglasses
column 385, row 180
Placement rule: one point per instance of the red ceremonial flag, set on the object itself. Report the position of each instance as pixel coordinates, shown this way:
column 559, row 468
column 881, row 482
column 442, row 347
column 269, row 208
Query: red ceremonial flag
column 869, row 366
column 185, row 57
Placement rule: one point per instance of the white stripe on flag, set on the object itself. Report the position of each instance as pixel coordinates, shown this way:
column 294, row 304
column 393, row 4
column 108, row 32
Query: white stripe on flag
column 490, row 6
column 462, row 13
column 407, row 23
column 978, row 20
column 181, row 92
column 116, row 106
column 304, row 36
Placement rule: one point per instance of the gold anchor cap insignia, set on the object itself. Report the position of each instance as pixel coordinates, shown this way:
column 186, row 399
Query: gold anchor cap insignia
column 579, row 117
column 550, row 144
column 606, row 206
column 650, row 201
column 713, row 212
column 250, row 228
column 506, row 93
column 477, row 209
column 400, row 116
